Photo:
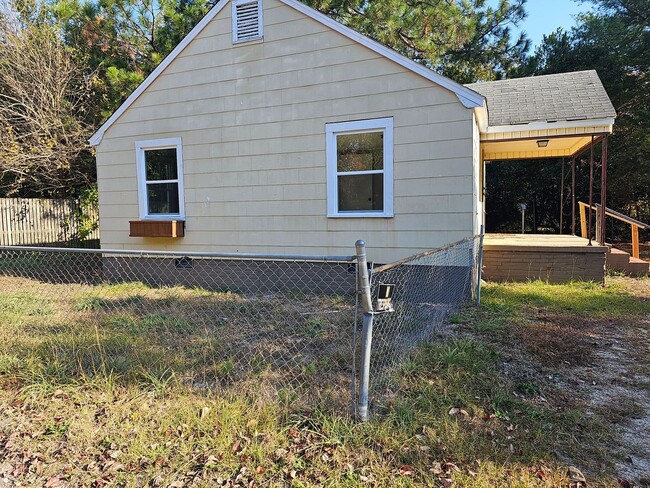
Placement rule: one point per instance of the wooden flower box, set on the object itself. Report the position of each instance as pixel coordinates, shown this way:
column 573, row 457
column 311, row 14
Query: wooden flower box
column 157, row 228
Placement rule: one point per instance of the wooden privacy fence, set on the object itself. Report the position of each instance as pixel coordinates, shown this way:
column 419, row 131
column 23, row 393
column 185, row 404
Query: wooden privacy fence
column 43, row 221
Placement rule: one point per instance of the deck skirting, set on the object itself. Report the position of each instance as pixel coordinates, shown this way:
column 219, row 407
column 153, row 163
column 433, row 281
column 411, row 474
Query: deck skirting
column 554, row 259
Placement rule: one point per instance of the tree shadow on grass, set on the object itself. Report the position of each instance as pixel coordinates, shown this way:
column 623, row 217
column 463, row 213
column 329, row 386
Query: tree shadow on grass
column 204, row 340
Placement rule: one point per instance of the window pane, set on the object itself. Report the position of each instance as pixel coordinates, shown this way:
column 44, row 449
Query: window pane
column 360, row 152
column 161, row 164
column 361, row 192
column 162, row 198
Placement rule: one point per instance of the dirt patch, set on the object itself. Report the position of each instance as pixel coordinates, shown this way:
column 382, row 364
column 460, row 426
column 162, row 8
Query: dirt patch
column 558, row 340
column 599, row 366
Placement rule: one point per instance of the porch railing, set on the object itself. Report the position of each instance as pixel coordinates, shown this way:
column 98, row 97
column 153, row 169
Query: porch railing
column 634, row 224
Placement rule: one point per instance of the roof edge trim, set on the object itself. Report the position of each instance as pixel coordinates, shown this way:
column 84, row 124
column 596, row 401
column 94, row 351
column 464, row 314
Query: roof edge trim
column 542, row 125
column 468, row 97
column 96, row 138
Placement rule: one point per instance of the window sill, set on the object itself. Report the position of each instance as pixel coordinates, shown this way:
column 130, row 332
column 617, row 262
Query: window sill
column 156, row 228
column 360, row 215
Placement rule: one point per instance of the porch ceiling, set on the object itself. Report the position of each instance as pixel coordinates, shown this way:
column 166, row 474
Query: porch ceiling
column 557, row 147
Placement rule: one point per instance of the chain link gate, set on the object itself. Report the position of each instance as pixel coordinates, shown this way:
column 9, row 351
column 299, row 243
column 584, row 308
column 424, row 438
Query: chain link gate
column 403, row 303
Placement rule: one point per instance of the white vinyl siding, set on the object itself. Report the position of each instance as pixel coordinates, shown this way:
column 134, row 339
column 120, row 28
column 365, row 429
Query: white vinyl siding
column 246, row 20
column 363, row 185
column 160, row 193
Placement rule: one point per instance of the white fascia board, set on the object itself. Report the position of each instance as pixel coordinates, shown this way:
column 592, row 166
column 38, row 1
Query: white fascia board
column 481, row 114
column 542, row 125
column 96, row 138
column 469, row 98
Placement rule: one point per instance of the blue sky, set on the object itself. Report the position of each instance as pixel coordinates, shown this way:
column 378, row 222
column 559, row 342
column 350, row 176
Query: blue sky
column 544, row 16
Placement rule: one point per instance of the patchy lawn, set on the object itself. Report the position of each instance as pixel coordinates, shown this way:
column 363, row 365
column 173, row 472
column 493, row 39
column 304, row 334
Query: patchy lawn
column 541, row 378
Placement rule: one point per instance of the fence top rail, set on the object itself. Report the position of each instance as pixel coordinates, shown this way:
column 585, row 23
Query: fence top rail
column 423, row 254
column 218, row 255
column 619, row 216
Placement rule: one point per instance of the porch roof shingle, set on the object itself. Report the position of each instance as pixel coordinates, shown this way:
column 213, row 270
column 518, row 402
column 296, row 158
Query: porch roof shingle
column 548, row 98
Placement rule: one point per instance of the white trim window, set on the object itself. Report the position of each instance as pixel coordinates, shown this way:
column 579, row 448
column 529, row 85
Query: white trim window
column 360, row 168
column 160, row 179
column 247, row 22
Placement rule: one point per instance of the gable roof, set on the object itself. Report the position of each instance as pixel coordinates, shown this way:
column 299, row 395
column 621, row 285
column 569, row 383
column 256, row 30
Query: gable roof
column 548, row 98
column 467, row 96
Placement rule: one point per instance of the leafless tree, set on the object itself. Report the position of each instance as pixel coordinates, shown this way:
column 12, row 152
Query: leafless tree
column 44, row 98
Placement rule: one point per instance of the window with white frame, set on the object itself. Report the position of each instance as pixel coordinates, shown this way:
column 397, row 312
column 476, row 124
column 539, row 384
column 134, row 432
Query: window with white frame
column 246, row 20
column 160, row 179
column 360, row 168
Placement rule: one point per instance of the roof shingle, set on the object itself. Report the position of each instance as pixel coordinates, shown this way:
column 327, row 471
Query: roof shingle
column 548, row 98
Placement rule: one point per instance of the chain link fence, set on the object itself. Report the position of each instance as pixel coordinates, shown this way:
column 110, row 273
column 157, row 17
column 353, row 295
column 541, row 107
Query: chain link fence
column 278, row 326
column 427, row 289
column 274, row 325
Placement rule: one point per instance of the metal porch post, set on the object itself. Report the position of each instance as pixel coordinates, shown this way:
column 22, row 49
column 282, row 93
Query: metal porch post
column 603, row 191
column 562, row 200
column 591, row 186
column 573, row 196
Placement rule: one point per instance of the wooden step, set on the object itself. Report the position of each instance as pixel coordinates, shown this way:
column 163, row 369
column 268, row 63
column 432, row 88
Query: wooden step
column 617, row 259
column 637, row 267
column 622, row 261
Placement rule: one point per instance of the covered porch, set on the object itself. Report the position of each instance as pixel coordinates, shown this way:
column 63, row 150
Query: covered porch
column 564, row 116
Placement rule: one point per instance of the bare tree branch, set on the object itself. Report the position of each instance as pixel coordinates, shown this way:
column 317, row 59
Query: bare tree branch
column 44, row 98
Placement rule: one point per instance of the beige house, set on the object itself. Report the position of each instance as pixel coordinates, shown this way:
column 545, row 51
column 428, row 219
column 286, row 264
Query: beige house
column 272, row 128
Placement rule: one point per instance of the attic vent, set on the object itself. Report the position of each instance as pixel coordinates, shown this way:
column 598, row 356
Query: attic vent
column 246, row 20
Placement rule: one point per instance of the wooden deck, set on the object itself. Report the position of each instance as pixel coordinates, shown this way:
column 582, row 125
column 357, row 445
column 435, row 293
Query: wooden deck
column 552, row 258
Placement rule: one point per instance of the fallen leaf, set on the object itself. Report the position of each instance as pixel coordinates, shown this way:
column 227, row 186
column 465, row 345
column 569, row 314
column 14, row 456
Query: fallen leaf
column 52, row 482
column 576, row 475
column 279, row 454
column 405, row 470
column 115, row 454
column 236, row 447
column 451, row 467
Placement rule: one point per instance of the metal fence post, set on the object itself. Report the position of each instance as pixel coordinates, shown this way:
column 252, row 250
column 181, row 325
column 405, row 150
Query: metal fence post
column 480, row 266
column 366, row 338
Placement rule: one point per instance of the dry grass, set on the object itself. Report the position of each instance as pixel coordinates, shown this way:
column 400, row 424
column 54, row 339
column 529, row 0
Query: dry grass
column 134, row 334
column 518, row 371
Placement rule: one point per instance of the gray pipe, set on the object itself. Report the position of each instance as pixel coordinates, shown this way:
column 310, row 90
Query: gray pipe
column 366, row 338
